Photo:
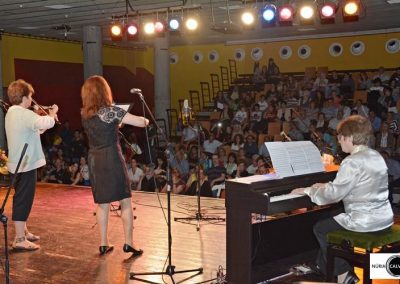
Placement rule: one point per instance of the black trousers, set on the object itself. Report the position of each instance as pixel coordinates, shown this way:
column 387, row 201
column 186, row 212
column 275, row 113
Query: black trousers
column 25, row 185
column 321, row 230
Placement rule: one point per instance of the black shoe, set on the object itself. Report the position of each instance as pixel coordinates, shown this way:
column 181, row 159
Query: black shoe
column 127, row 248
column 351, row 278
column 105, row 249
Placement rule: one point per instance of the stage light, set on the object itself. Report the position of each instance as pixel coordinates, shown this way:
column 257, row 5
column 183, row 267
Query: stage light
column 306, row 12
column 174, row 24
column 159, row 28
column 268, row 15
column 191, row 24
column 286, row 14
column 132, row 32
column 116, row 32
column 351, row 11
column 149, row 28
column 247, row 18
column 327, row 13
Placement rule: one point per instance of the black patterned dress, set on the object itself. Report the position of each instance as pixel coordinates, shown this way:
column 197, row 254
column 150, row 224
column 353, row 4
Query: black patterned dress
column 107, row 168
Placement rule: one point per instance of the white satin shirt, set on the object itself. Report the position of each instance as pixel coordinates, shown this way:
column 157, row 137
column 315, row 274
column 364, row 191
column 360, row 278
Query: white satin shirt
column 362, row 184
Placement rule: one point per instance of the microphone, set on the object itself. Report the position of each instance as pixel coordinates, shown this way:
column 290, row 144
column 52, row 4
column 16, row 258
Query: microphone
column 135, row 91
column 284, row 135
column 186, row 113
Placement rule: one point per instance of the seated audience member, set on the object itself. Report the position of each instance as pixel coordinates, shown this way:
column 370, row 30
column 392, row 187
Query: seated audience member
column 84, row 171
column 57, row 174
column 270, row 115
column 217, row 173
column 240, row 170
column 361, row 108
column 250, row 146
column 179, row 162
column 148, row 182
column 78, row 148
column 252, row 168
column 193, row 156
column 261, row 166
column 211, row 145
column 255, row 116
column 333, row 123
column 382, row 76
column 364, row 82
column 284, row 113
column 375, row 121
column 347, row 86
column 231, row 165
column 393, row 173
column 241, row 116
column 72, row 175
column 237, row 143
column 294, row 133
column 134, row 173
column 189, row 134
column 263, row 150
column 262, row 103
column 384, row 139
column 329, row 109
column 205, row 161
column 178, row 184
column 321, row 122
column 205, row 188
column 236, row 129
column 312, row 111
column 362, row 184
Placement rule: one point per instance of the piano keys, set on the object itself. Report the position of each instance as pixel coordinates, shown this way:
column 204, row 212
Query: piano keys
column 253, row 247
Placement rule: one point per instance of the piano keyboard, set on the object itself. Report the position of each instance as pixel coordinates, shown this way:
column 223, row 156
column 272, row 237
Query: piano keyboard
column 284, row 197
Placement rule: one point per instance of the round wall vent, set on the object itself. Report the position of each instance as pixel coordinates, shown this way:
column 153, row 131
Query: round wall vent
column 197, row 57
column 256, row 54
column 173, row 58
column 239, row 54
column 335, row 49
column 213, row 56
column 357, row 48
column 392, row 45
column 304, row 51
column 285, row 52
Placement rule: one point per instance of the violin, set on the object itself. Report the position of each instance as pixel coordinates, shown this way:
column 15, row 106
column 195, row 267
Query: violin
column 43, row 110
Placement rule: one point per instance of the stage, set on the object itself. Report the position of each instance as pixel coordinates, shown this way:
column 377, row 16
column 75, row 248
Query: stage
column 63, row 217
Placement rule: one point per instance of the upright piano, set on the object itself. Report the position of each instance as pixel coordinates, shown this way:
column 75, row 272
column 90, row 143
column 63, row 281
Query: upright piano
column 283, row 232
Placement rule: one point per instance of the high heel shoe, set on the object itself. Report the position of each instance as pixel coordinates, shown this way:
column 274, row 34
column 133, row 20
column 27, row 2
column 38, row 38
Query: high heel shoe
column 105, row 249
column 127, row 248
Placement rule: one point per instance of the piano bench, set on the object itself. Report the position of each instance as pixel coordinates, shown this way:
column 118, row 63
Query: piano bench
column 347, row 244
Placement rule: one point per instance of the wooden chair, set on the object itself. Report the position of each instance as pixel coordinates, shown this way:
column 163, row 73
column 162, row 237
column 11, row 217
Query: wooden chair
column 277, row 137
column 215, row 115
column 274, row 128
column 261, row 139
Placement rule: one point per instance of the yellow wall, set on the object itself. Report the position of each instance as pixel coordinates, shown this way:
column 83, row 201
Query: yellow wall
column 62, row 51
column 186, row 75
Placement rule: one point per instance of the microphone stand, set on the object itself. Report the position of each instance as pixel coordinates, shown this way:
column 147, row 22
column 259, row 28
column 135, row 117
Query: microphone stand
column 198, row 216
column 4, row 219
column 170, row 270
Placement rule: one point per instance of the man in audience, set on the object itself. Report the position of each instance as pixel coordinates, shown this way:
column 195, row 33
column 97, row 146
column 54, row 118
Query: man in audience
column 211, row 145
column 216, row 174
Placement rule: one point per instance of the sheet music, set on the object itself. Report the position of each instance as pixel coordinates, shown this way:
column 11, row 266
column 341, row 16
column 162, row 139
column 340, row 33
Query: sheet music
column 295, row 158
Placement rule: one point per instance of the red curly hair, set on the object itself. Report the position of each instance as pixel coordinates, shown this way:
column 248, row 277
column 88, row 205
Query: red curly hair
column 95, row 93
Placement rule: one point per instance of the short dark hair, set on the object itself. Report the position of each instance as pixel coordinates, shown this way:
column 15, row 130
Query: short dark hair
column 17, row 90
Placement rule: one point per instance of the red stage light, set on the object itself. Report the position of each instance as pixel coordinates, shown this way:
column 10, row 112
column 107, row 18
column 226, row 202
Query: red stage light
column 159, row 27
column 286, row 13
column 327, row 13
column 132, row 32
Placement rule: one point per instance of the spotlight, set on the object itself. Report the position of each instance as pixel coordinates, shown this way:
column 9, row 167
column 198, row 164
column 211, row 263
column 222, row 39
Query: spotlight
column 307, row 15
column 149, row 28
column 327, row 13
column 351, row 10
column 116, row 32
column 174, row 24
column 268, row 15
column 247, row 18
column 191, row 24
column 159, row 28
column 132, row 32
column 286, row 14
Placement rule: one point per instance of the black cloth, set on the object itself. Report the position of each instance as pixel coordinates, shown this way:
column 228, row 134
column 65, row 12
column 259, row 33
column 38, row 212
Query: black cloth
column 25, row 184
column 205, row 189
column 150, row 185
column 215, row 172
column 107, row 168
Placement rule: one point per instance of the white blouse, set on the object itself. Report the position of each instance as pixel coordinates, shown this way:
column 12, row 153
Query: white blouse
column 362, row 184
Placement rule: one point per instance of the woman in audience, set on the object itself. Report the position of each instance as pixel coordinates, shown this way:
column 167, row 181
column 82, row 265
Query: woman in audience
column 178, row 184
column 134, row 173
column 385, row 140
column 205, row 188
column 231, row 165
column 364, row 82
column 270, row 114
column 321, row 122
column 241, row 170
column 84, row 171
column 237, row 143
column 72, row 175
column 283, row 113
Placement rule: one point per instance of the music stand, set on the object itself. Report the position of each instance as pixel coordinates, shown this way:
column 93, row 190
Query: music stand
column 4, row 219
column 170, row 270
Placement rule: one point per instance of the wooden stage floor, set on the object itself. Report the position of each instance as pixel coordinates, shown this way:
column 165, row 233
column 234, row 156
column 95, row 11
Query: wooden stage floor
column 63, row 217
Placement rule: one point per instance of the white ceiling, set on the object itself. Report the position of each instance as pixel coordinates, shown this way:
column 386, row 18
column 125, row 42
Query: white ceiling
column 34, row 17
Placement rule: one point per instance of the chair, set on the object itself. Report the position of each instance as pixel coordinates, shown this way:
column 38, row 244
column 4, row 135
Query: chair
column 274, row 128
column 261, row 139
column 345, row 244
column 360, row 95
